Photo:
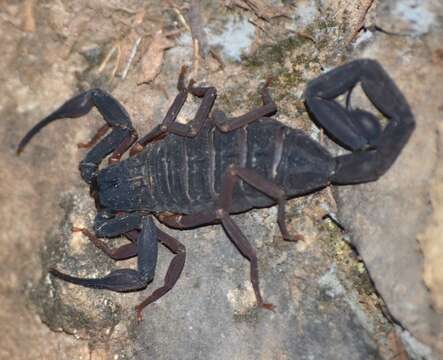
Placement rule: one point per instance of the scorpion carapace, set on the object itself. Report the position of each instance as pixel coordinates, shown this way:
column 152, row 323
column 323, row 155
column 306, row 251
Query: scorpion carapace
column 189, row 175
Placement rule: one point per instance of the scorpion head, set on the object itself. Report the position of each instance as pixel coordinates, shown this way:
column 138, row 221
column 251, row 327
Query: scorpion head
column 114, row 190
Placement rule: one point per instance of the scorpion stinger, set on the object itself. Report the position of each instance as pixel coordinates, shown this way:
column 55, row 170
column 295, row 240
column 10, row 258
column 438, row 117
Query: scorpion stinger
column 374, row 151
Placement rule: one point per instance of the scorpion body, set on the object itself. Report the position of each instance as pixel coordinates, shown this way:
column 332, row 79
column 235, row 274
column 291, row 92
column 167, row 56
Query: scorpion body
column 184, row 175
column 194, row 174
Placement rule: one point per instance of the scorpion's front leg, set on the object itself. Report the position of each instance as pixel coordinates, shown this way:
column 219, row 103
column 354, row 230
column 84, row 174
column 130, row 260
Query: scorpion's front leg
column 117, row 142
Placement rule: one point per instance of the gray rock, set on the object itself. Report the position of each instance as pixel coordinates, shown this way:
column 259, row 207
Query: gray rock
column 386, row 217
column 326, row 306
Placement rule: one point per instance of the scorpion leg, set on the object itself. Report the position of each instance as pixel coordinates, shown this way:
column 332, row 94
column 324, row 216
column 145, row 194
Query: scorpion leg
column 123, row 280
column 123, row 252
column 376, row 149
column 247, row 251
column 233, row 231
column 221, row 214
column 161, row 130
column 117, row 142
column 189, row 221
column 98, row 135
column 262, row 184
column 191, row 129
column 232, row 175
column 169, row 125
column 269, row 108
column 107, row 227
column 173, row 273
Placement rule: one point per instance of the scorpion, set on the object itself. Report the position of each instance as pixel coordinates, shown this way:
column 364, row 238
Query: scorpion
column 199, row 173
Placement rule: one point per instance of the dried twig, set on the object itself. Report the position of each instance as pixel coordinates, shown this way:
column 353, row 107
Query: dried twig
column 122, row 8
column 374, row 28
column 152, row 60
column 397, row 346
column 365, row 6
column 127, row 47
column 197, row 28
column 259, row 26
column 107, row 58
column 194, row 26
column 196, row 57
column 179, row 14
column 131, row 56
column 305, row 35
column 199, row 43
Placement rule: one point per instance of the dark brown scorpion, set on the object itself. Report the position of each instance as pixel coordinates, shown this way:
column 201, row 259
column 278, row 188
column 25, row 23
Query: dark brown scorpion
column 202, row 172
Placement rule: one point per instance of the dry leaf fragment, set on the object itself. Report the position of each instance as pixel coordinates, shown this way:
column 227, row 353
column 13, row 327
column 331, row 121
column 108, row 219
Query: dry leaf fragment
column 152, row 60
column 127, row 47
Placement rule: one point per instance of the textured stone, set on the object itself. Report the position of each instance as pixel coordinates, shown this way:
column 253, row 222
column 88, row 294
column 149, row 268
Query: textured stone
column 326, row 306
column 387, row 217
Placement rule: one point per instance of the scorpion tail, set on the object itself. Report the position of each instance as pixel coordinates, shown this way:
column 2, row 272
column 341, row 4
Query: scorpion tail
column 122, row 280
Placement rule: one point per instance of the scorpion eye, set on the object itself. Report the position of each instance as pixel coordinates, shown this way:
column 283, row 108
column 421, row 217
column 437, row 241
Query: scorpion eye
column 115, row 182
column 109, row 183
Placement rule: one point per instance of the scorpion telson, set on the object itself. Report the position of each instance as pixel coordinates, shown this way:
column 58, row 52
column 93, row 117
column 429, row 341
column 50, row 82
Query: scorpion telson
column 189, row 175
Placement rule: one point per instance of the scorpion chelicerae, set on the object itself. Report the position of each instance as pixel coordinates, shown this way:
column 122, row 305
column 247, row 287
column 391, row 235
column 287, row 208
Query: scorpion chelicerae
column 189, row 175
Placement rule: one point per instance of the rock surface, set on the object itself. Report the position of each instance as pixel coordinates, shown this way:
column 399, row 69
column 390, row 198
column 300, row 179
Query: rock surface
column 326, row 306
column 393, row 226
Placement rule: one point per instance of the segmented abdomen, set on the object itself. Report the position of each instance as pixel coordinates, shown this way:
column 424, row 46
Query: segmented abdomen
column 185, row 175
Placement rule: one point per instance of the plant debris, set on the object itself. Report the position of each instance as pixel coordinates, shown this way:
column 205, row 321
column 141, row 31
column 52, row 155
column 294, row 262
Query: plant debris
column 260, row 8
column 152, row 60
column 362, row 10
